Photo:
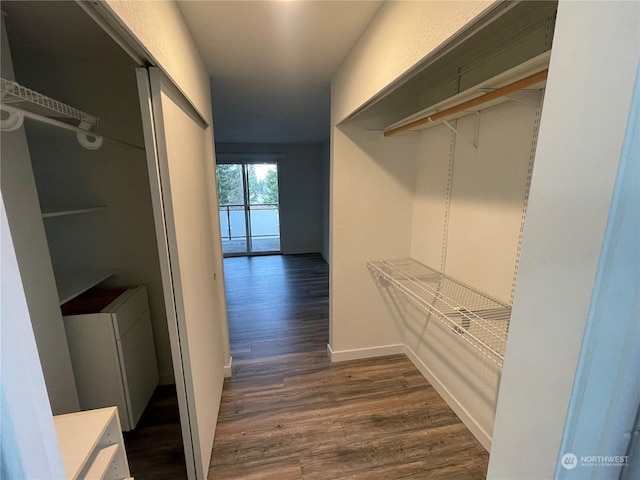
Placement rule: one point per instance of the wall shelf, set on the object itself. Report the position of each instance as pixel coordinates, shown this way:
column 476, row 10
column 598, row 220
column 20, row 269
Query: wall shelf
column 91, row 445
column 15, row 94
column 71, row 284
column 421, row 120
column 102, row 461
column 472, row 316
column 76, row 211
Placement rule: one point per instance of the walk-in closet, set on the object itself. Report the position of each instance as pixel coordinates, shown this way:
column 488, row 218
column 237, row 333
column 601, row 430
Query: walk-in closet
column 456, row 142
column 108, row 181
column 76, row 190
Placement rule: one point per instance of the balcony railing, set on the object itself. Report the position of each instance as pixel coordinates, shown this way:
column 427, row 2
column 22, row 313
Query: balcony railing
column 264, row 221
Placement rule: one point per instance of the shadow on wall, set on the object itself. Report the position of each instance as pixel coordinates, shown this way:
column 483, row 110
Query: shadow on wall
column 396, row 157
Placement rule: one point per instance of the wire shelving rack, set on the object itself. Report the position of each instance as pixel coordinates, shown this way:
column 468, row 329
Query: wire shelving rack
column 472, row 316
column 13, row 93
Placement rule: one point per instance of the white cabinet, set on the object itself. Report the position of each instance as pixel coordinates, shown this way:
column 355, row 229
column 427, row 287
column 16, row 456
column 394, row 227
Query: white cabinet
column 112, row 350
column 91, row 445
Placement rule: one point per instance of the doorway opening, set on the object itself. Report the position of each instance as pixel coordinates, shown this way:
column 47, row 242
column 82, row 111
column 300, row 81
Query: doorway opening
column 249, row 207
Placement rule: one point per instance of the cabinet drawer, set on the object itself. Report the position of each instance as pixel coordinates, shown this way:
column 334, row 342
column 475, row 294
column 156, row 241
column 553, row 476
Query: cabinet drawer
column 127, row 308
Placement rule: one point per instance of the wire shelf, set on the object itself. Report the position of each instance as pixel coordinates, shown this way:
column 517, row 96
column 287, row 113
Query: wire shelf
column 473, row 316
column 13, row 92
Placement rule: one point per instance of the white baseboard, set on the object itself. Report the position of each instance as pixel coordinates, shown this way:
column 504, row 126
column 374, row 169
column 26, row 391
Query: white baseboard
column 343, row 355
column 359, row 353
column 481, row 435
column 227, row 368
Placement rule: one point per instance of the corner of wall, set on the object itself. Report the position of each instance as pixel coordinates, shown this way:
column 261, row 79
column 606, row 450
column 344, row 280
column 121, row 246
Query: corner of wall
column 162, row 33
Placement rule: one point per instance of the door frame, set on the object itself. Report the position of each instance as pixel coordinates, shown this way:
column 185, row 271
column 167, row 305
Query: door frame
column 247, row 159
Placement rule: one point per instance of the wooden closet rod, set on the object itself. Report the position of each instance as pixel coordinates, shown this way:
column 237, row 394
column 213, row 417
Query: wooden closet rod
column 474, row 102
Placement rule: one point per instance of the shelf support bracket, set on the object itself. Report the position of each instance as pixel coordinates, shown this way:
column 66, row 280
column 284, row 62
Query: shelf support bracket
column 527, row 96
column 473, row 143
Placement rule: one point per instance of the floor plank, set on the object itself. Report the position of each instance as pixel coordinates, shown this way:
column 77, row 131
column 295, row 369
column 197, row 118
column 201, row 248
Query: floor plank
column 154, row 448
column 287, row 412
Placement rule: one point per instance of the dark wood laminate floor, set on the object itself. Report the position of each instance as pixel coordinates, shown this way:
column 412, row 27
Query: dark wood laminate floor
column 288, row 413
column 154, row 448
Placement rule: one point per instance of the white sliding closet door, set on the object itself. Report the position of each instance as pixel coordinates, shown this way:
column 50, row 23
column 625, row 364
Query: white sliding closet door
column 182, row 178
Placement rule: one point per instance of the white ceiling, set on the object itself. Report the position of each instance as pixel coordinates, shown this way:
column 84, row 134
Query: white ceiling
column 271, row 63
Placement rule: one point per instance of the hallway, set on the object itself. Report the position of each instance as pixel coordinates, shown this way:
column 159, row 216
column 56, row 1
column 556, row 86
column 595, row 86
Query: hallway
column 276, row 305
column 288, row 413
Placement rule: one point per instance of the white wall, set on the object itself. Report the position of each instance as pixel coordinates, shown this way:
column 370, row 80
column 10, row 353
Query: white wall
column 161, row 30
column 301, row 192
column 326, row 193
column 582, row 129
column 400, row 35
column 371, row 199
column 487, row 198
column 606, row 394
column 371, row 181
column 29, row 442
column 437, row 145
column 28, row 235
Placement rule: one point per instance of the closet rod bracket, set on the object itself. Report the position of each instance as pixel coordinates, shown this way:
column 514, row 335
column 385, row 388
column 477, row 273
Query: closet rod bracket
column 12, row 121
column 472, row 143
column 14, row 94
column 88, row 139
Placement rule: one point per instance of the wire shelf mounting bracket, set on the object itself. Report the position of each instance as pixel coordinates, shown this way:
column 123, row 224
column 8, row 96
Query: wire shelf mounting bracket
column 47, row 110
column 472, row 143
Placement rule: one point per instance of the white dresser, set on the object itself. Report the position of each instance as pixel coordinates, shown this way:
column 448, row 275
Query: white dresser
column 112, row 350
